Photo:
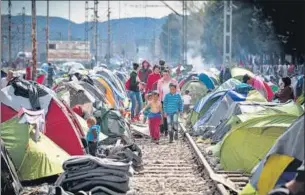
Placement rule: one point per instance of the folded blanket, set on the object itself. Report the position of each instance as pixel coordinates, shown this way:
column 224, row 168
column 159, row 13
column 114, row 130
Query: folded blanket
column 86, row 163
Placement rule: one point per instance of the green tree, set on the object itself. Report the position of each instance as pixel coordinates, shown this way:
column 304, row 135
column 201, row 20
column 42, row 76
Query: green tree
column 251, row 32
column 171, row 31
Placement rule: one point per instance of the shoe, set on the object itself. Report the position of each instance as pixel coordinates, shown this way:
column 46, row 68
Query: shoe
column 165, row 133
column 137, row 118
column 171, row 136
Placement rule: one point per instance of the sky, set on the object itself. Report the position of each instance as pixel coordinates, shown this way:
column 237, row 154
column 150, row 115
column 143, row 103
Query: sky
column 119, row 9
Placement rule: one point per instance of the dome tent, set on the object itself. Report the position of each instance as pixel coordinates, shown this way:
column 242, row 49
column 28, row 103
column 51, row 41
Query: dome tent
column 59, row 125
column 196, row 88
column 259, row 133
column 33, row 158
column 287, row 151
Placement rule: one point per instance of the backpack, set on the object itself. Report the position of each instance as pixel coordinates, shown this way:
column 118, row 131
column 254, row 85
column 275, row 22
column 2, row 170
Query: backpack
column 127, row 84
column 112, row 122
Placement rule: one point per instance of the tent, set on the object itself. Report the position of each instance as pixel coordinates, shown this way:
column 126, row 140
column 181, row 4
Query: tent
column 240, row 111
column 248, row 142
column 238, row 73
column 104, row 87
column 73, row 93
column 110, row 76
column 197, row 89
column 59, row 125
column 34, row 157
column 191, row 76
column 205, row 79
column 282, row 160
column 212, row 117
column 229, row 84
column 10, row 183
column 210, row 102
column 94, row 91
column 203, row 105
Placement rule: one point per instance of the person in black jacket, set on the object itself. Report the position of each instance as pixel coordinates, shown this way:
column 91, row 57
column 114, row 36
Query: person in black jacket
column 135, row 94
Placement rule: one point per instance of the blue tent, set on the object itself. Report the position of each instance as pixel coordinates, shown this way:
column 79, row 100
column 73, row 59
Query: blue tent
column 205, row 79
column 233, row 95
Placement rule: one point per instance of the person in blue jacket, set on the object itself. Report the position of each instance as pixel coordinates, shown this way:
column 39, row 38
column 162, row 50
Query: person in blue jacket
column 172, row 108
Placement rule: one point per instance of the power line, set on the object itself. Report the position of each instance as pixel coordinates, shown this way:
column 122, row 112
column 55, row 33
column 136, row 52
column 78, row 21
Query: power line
column 23, row 29
column 108, row 39
column 47, row 33
column 10, row 32
column 34, row 46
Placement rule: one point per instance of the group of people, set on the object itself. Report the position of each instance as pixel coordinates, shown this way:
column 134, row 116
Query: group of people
column 161, row 95
column 284, row 94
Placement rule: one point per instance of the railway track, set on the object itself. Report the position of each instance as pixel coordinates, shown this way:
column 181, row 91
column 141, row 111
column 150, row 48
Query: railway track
column 182, row 168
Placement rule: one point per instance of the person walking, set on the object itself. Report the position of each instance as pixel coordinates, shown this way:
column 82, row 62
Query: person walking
column 187, row 101
column 134, row 94
column 154, row 116
column 173, row 107
column 163, row 89
column 143, row 74
column 153, row 79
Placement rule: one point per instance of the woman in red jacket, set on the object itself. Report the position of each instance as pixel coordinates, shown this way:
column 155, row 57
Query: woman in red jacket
column 153, row 79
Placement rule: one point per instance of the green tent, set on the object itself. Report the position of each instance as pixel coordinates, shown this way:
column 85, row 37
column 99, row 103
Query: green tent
column 229, row 84
column 33, row 160
column 238, row 73
column 248, row 142
column 197, row 90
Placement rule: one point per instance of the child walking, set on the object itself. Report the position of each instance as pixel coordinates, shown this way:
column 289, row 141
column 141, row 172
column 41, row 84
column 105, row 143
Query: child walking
column 92, row 135
column 187, row 101
column 147, row 110
column 172, row 107
column 154, row 117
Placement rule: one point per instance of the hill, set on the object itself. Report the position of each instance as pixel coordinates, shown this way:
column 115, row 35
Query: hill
column 122, row 30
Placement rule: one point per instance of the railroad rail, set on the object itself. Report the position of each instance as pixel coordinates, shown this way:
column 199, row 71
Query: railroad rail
column 182, row 168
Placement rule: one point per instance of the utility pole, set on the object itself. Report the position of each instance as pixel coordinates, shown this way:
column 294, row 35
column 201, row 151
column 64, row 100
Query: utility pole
column 96, row 30
column 23, row 29
column 10, row 32
column 47, row 33
column 227, row 33
column 69, row 27
column 34, row 62
column 168, row 39
column 86, row 28
column 1, row 40
column 108, row 39
column 184, row 32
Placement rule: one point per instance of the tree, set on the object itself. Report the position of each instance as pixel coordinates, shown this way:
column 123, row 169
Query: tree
column 251, row 32
column 171, row 31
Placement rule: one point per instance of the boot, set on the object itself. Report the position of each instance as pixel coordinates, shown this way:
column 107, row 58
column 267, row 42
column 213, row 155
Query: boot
column 171, row 136
column 176, row 135
column 165, row 133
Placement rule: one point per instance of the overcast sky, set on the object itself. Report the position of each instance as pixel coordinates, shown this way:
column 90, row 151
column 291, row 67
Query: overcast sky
column 119, row 9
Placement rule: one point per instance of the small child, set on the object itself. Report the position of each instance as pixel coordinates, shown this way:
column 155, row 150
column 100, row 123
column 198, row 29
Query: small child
column 154, row 116
column 147, row 110
column 92, row 135
column 172, row 107
column 187, row 101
